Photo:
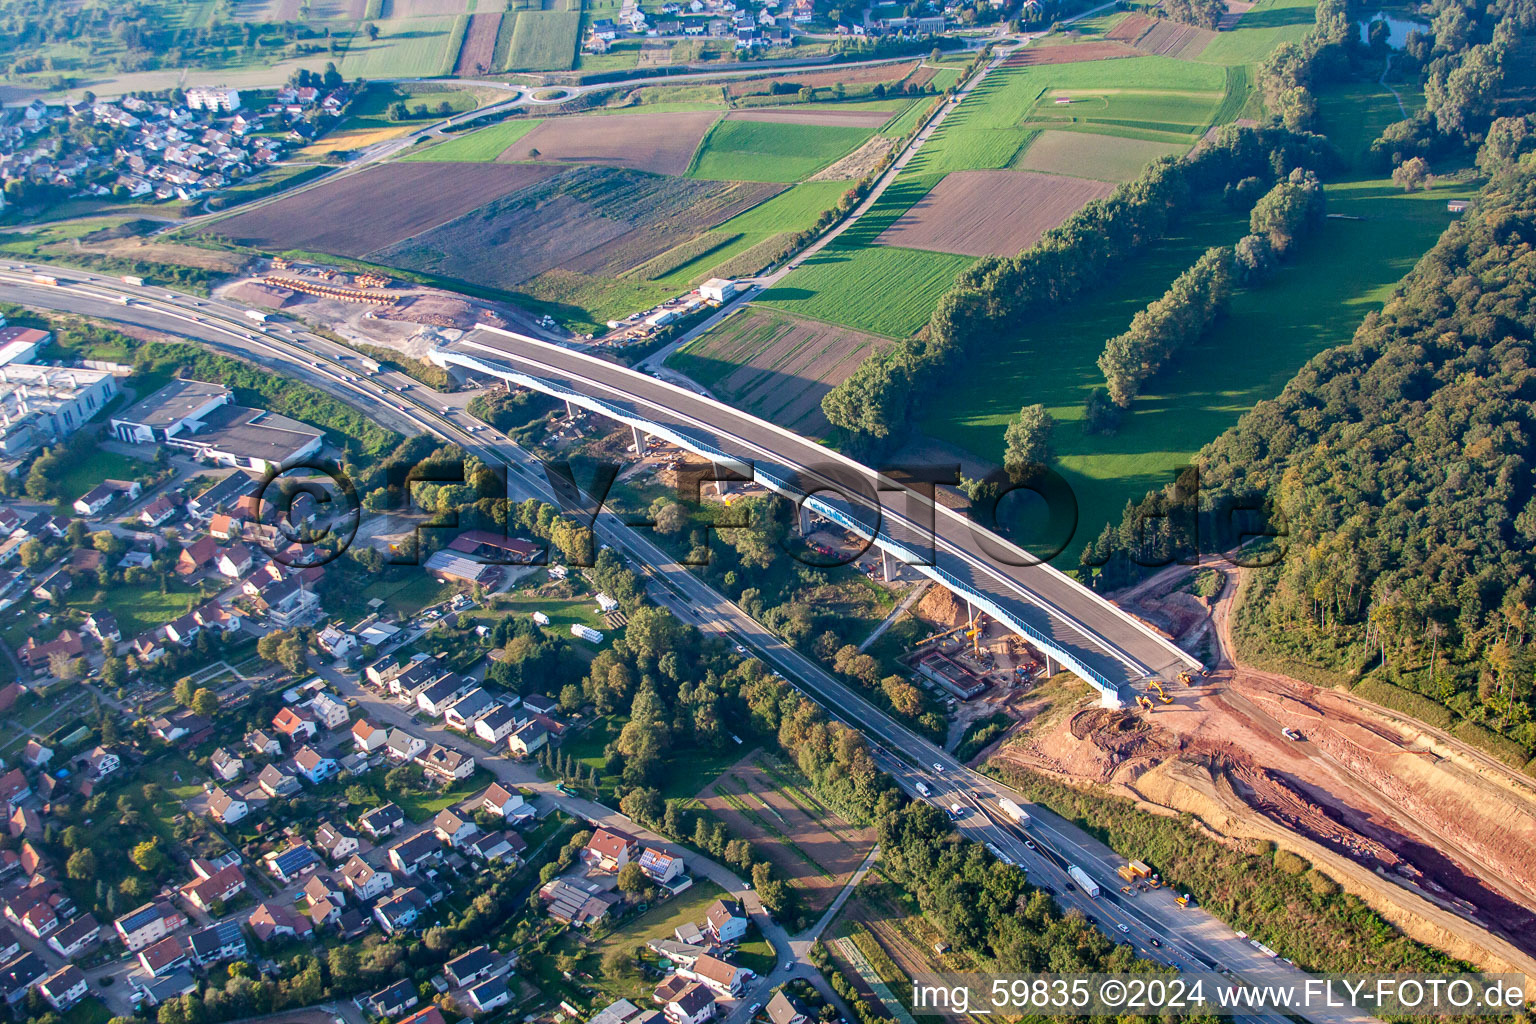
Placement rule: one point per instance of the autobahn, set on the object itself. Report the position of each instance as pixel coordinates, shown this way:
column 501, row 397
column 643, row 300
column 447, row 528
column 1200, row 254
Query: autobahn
column 1106, row 647
column 1191, row 938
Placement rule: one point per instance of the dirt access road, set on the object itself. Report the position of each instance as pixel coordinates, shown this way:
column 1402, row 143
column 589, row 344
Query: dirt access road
column 1434, row 835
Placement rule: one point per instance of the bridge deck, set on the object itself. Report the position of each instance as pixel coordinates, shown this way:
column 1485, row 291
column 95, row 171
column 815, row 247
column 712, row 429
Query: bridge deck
column 1055, row 611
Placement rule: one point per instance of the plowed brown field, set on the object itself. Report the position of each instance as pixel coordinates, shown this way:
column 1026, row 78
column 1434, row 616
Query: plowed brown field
column 998, row 213
column 659, row 143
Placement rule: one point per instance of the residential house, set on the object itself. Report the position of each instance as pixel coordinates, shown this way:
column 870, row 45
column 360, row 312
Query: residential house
column 725, row 921
column 499, row 801
column 368, row 738
column 226, row 764
column 394, row 1000
column 274, row 920
column 723, row 978
column 35, row 754
column 102, row 625
column 293, row 863
column 410, row 855
column 686, row 1003
column 234, row 561
column 468, row 709
column 467, row 968
column 430, row 1015
column 225, row 527
column 365, row 881
column 101, row 762
column 76, row 937
column 436, row 698
column 218, row 942
column 331, row 712
column 295, row 723
column 323, row 886
column 445, row 764
column 498, row 724
column 10, row 946
column 610, row 850
column 220, row 887
column 18, row 976
column 14, row 788
column 527, row 738
column 400, row 912
column 264, row 743
column 540, row 704
column 336, row 843
column 784, row 1008
column 336, row 642
column 381, row 821
column 148, row 924
column 660, row 866
column 157, row 512
column 197, row 556
column 64, row 988
column 402, row 746
column 452, row 829
column 165, row 956
column 225, row 807
column 40, row 920
column 314, row 766
column 489, row 994
column 504, row 846
column 276, row 782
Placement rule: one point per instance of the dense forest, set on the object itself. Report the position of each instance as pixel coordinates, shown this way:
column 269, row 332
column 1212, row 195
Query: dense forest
column 1399, row 469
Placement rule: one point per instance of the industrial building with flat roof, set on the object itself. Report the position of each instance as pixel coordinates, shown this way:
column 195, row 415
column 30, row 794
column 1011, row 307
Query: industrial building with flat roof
column 202, row 418
column 40, row 404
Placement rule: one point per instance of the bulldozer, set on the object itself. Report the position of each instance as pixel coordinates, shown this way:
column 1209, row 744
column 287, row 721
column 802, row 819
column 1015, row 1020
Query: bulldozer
column 1186, row 677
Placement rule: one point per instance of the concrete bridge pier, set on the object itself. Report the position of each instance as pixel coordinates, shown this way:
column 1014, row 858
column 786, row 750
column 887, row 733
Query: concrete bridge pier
column 887, row 564
column 805, row 520
column 570, row 410
column 639, row 440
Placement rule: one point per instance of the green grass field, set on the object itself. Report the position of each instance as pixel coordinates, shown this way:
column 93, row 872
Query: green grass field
column 1267, row 25
column 1090, row 155
column 544, row 41
column 1346, row 269
column 371, row 110
column 881, row 289
column 771, row 151
column 406, row 48
column 482, row 146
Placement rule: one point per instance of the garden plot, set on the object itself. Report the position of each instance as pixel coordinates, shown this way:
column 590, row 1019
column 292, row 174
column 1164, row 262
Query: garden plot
column 595, row 221
column 776, row 366
column 1161, row 37
column 997, row 213
column 659, row 143
column 357, row 214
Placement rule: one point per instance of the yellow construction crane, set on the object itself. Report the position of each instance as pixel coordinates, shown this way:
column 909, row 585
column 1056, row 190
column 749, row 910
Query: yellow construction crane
column 974, row 634
column 940, row 636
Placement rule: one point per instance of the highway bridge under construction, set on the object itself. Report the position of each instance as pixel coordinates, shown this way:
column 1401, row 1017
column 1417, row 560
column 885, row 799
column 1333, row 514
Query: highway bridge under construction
column 1079, row 630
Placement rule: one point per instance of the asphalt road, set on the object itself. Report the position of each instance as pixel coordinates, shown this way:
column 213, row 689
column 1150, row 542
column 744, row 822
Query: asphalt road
column 1191, row 938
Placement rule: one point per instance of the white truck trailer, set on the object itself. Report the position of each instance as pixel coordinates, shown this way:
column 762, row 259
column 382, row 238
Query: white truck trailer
column 1016, row 814
column 1080, row 876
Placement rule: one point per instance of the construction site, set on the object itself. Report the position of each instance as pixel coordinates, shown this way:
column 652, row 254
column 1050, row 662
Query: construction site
column 368, row 307
column 1433, row 834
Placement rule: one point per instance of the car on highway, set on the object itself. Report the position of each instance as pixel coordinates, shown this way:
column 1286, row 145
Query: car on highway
column 1123, row 928
column 938, row 768
column 1156, row 941
column 1029, row 843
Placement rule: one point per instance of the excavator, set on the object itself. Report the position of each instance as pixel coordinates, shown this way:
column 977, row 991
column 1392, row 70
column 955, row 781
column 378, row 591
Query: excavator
column 1162, row 695
column 1145, row 702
